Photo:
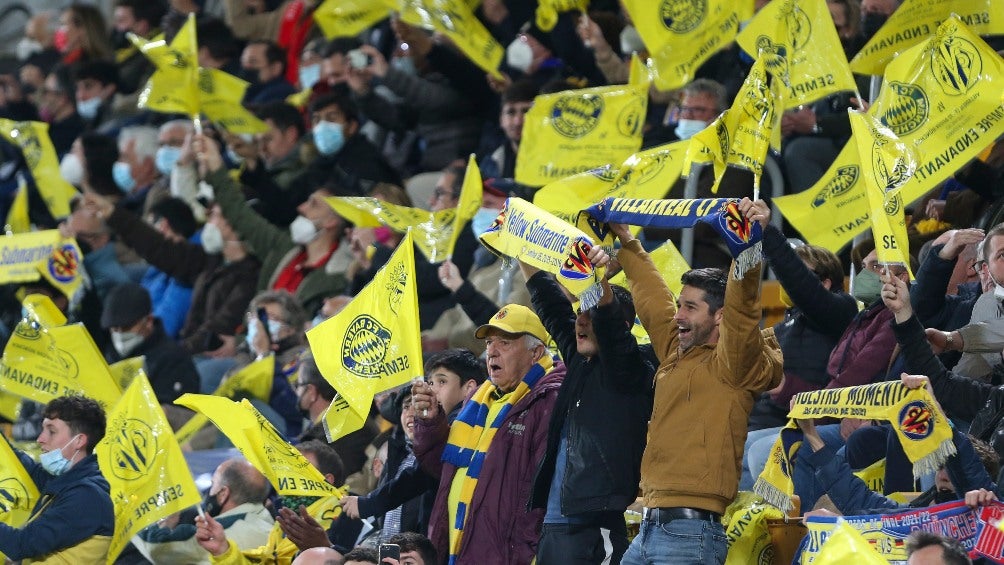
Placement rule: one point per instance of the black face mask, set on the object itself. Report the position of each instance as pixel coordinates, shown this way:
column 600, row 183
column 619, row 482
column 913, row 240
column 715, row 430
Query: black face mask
column 212, row 505
column 119, row 39
column 942, row 496
column 871, row 24
column 250, row 75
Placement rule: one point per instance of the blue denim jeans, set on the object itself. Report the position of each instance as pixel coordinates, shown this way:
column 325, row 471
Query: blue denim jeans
column 680, row 542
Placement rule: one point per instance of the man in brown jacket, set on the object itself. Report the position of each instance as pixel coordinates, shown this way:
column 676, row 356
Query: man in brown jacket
column 714, row 362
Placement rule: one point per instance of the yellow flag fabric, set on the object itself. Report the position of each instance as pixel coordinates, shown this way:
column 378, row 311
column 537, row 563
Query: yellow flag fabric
column 17, row 216
column 40, row 308
column 349, row 18
column 143, row 464
column 577, row 130
column 45, row 363
column 43, row 254
column 374, row 343
column 220, row 96
column 803, row 40
column 126, row 370
column 468, row 203
column 746, row 528
column 646, row 174
column 681, row 34
column 886, row 165
column 263, row 446
column 873, row 476
column 173, row 87
column 525, row 232
column 942, row 98
column 914, row 21
column 547, row 12
column 432, row 232
column 671, row 265
column 10, row 406
column 18, row 493
column 847, row 545
column 254, row 379
column 456, row 20
column 32, row 138
column 639, row 74
column 744, row 132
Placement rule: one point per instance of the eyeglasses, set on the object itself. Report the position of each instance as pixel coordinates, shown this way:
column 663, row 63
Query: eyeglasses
column 696, row 110
column 440, row 193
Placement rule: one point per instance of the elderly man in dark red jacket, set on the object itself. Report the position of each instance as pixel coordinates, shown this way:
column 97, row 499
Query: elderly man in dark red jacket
column 486, row 459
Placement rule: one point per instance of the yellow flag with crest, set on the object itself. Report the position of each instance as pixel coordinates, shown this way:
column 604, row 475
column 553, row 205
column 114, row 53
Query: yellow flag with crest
column 18, row 493
column 349, row 18
column 915, row 21
column 800, row 36
column 32, row 138
column 682, row 34
column 942, row 99
column 456, row 20
column 431, row 231
column 143, row 464
column 254, row 379
column 373, row 344
column 573, row 131
column 263, row 446
column 886, row 165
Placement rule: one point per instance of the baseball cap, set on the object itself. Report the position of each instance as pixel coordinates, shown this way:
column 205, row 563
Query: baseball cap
column 515, row 319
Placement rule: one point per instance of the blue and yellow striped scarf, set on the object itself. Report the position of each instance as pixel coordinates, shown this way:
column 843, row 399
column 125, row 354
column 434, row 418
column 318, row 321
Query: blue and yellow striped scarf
column 468, row 443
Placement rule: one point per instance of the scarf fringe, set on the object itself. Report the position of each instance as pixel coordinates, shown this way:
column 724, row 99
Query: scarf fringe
column 746, row 260
column 590, row 297
column 933, row 461
column 773, row 495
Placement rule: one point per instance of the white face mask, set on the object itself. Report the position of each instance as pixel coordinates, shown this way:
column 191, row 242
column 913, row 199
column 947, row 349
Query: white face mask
column 631, row 41
column 212, row 239
column 685, row 129
column 71, row 169
column 124, row 342
column 302, row 230
column 519, row 55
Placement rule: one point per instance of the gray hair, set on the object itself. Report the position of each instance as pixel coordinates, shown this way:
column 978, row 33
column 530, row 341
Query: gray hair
column 710, row 87
column 293, row 314
column 144, row 139
column 179, row 123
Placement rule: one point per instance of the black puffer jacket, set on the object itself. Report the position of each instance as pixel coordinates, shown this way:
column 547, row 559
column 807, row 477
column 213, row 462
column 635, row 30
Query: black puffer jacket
column 605, row 401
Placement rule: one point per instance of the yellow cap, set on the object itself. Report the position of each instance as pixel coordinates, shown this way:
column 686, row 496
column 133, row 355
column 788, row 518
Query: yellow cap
column 515, row 319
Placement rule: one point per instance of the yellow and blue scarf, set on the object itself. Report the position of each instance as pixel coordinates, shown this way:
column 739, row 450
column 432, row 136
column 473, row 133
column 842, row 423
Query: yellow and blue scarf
column 469, row 441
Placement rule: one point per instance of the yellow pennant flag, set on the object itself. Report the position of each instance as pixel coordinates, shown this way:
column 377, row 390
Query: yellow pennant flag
column 640, row 73
column 32, row 138
column 126, row 370
column 681, row 34
column 18, row 493
column 471, row 193
column 804, row 42
column 456, row 20
column 915, row 21
column 143, row 464
column 374, row 343
column 566, row 197
column 349, row 18
column 263, row 446
column 42, row 254
column 746, row 528
column 671, row 265
column 17, row 217
column 847, row 545
column 743, row 133
column 173, row 87
column 942, row 98
column 577, row 130
column 220, row 96
column 432, row 232
column 886, row 165
column 254, row 379
column 546, row 16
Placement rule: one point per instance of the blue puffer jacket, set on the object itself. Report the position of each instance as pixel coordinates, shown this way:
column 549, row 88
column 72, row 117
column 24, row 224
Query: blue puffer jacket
column 73, row 508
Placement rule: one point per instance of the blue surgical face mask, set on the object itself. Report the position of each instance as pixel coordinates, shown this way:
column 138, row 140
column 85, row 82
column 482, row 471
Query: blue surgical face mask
column 405, row 65
column 273, row 332
column 89, row 108
column 685, row 129
column 122, row 174
column 309, row 75
column 328, row 137
column 167, row 156
column 482, row 220
column 54, row 462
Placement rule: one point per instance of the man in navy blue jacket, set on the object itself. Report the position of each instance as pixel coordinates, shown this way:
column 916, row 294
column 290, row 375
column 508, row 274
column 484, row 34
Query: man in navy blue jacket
column 73, row 521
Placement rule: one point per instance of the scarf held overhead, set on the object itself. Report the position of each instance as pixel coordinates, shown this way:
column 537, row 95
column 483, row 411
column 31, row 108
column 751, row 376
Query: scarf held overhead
column 525, row 232
column 921, row 427
column 722, row 214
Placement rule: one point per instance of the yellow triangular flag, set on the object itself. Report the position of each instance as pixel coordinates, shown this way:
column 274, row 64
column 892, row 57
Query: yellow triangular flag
column 17, row 216
column 18, row 493
column 374, row 343
column 349, row 18
column 143, row 464
column 456, row 20
column 255, row 379
column 32, row 138
column 431, row 231
column 468, row 203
